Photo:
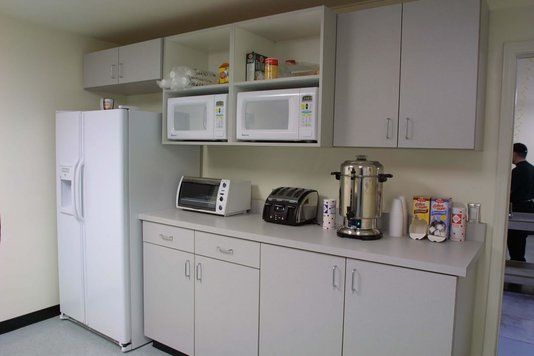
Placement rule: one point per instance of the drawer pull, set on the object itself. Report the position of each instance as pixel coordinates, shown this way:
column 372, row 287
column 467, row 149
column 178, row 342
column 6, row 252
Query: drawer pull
column 166, row 237
column 229, row 251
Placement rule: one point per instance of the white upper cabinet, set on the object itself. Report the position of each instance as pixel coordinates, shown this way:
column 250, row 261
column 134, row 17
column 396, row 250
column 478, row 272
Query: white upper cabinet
column 131, row 69
column 440, row 74
column 438, row 47
column 101, row 68
column 367, row 77
column 141, row 61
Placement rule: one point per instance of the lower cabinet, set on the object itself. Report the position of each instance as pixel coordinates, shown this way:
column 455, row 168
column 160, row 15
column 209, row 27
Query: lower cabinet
column 226, row 308
column 301, row 302
column 169, row 298
column 397, row 311
column 212, row 300
column 199, row 305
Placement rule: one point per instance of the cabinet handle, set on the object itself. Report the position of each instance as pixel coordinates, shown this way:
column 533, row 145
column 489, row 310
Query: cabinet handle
column 229, row 251
column 121, row 70
column 188, row 269
column 407, row 132
column 199, row 272
column 334, row 284
column 353, row 286
column 166, row 237
column 113, row 67
column 388, row 136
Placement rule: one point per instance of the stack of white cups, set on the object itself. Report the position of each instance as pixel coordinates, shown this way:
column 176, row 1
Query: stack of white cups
column 329, row 214
column 398, row 218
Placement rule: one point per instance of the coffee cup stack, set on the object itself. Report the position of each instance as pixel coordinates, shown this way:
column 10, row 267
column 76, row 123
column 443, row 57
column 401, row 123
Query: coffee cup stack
column 329, row 214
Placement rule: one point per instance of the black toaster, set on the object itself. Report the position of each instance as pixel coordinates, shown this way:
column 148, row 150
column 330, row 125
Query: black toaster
column 291, row 206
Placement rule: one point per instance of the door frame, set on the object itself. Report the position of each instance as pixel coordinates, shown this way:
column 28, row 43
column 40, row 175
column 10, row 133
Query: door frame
column 511, row 53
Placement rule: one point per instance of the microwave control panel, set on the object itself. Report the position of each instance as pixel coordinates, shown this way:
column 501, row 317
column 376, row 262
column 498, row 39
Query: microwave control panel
column 308, row 108
column 219, row 129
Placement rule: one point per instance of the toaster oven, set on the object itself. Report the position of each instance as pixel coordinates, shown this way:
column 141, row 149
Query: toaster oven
column 213, row 195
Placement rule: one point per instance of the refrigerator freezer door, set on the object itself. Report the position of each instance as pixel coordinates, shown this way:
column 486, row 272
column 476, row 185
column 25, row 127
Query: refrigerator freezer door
column 105, row 202
column 69, row 227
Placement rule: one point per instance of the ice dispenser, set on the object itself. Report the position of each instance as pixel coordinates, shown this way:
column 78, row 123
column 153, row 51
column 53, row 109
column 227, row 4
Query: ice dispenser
column 66, row 177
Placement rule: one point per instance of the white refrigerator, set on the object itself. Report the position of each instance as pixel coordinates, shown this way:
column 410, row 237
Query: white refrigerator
column 110, row 165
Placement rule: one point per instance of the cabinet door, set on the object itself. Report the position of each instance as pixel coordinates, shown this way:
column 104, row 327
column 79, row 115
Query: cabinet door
column 439, row 67
column 101, row 68
column 367, row 77
column 226, row 308
column 301, row 302
column 141, row 61
column 397, row 311
column 169, row 297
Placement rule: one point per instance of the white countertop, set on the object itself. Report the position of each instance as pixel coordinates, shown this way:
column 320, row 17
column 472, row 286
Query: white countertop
column 453, row 258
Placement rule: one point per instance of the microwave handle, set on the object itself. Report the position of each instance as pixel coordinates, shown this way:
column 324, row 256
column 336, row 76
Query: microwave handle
column 205, row 122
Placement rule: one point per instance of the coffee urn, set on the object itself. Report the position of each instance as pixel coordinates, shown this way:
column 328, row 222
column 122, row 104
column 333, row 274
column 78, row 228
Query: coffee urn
column 360, row 198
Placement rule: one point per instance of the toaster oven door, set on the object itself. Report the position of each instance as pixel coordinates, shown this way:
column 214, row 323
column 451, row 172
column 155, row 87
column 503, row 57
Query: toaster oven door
column 198, row 194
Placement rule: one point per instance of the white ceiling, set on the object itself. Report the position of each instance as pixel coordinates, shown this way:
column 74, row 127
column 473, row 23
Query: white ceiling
column 125, row 21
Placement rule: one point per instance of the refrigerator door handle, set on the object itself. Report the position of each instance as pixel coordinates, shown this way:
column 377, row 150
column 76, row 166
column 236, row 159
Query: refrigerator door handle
column 81, row 182
column 76, row 189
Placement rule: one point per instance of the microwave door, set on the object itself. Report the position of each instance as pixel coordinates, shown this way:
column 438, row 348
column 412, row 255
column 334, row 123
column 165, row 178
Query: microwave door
column 188, row 120
column 269, row 118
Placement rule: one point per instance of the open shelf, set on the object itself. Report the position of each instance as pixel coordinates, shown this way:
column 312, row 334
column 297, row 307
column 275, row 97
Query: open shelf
column 202, row 90
column 305, row 35
column 280, row 83
column 205, row 49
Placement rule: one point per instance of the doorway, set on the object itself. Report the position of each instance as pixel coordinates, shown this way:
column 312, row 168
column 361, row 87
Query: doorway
column 516, row 331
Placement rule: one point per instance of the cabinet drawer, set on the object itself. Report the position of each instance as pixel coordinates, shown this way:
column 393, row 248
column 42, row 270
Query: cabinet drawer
column 169, row 236
column 228, row 249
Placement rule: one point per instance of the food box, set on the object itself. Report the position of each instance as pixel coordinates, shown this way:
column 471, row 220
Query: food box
column 458, row 224
column 440, row 219
column 421, row 209
column 255, row 66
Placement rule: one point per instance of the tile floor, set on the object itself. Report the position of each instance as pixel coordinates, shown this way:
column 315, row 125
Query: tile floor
column 64, row 338
column 55, row 337
column 517, row 325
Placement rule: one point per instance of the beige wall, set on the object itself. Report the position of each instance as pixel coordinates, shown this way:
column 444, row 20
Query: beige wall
column 463, row 175
column 40, row 72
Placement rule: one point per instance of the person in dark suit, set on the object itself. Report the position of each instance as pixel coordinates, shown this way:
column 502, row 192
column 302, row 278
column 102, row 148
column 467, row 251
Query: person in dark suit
column 521, row 199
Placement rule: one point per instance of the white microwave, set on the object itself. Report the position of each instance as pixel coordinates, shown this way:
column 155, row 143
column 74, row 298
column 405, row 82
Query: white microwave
column 277, row 115
column 197, row 118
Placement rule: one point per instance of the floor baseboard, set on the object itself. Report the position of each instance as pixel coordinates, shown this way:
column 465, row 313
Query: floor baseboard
column 28, row 319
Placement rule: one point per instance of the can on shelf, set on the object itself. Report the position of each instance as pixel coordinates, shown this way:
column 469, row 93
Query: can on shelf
column 271, row 68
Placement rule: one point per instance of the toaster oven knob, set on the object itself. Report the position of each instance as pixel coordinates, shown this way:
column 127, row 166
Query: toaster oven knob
column 221, row 198
column 220, row 207
column 224, row 185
